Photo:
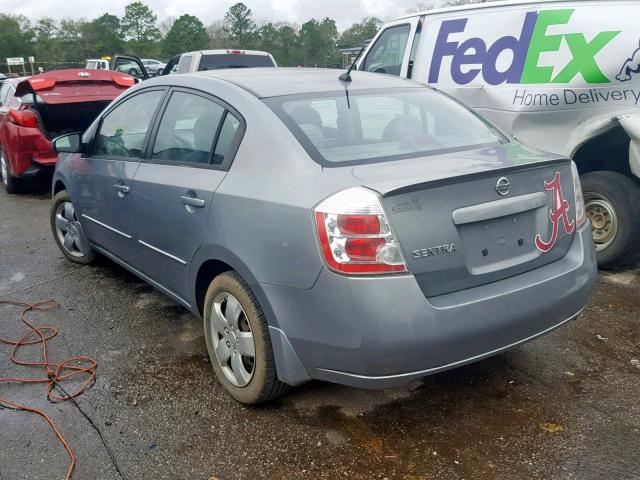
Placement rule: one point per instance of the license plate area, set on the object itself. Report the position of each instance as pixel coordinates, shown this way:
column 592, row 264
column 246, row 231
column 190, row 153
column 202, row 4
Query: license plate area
column 499, row 243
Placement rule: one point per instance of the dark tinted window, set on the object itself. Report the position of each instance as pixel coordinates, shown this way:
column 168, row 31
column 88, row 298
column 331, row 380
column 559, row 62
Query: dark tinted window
column 215, row 62
column 124, row 128
column 387, row 53
column 226, row 138
column 188, row 129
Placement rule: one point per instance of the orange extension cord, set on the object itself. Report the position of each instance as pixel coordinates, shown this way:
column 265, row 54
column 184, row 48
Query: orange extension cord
column 56, row 373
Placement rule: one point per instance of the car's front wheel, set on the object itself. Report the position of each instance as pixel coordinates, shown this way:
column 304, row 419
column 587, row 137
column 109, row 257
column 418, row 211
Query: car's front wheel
column 11, row 183
column 238, row 341
column 67, row 231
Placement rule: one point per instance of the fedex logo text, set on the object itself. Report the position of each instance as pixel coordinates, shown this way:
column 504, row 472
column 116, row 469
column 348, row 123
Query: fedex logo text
column 472, row 53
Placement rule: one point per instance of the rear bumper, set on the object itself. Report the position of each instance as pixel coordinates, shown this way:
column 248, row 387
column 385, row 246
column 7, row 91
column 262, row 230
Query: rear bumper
column 37, row 171
column 382, row 332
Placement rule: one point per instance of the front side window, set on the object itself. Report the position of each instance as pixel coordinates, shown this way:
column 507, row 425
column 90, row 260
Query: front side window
column 188, row 129
column 123, row 129
column 387, row 53
column 381, row 125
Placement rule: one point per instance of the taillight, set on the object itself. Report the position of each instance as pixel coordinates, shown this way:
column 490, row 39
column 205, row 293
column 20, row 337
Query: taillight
column 23, row 118
column 581, row 216
column 235, row 52
column 42, row 83
column 124, row 81
column 355, row 235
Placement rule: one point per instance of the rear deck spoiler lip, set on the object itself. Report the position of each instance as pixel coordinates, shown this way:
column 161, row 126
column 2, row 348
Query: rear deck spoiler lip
column 468, row 176
column 113, row 78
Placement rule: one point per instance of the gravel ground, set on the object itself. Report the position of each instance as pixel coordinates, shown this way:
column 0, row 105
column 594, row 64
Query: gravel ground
column 565, row 406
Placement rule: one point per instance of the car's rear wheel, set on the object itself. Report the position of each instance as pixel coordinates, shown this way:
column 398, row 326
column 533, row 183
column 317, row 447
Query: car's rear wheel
column 612, row 203
column 67, row 231
column 11, row 183
column 238, row 341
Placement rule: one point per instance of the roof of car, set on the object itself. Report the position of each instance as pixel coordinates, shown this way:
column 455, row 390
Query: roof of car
column 275, row 82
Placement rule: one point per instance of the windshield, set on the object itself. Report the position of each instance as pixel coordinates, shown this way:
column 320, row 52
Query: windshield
column 216, row 62
column 381, row 125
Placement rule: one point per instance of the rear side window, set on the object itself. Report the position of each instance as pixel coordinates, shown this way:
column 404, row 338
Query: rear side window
column 184, row 64
column 216, row 62
column 123, row 129
column 228, row 134
column 387, row 53
column 188, row 129
column 4, row 92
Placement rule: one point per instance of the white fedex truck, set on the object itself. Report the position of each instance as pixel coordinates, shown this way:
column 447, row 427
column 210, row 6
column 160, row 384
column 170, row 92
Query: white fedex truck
column 562, row 76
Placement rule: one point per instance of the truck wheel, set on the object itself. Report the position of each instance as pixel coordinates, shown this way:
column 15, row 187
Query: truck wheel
column 613, row 205
column 11, row 183
column 238, row 341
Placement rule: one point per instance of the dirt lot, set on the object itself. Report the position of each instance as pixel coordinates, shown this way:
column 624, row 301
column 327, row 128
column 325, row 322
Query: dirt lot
column 564, row 406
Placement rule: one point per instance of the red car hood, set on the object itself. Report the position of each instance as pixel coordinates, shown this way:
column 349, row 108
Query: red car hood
column 75, row 85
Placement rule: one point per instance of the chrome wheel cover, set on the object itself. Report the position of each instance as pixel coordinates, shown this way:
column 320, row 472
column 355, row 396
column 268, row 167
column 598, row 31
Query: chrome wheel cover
column 68, row 229
column 232, row 339
column 604, row 220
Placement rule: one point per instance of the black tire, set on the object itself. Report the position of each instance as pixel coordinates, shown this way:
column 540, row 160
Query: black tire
column 11, row 184
column 86, row 254
column 619, row 246
column 264, row 384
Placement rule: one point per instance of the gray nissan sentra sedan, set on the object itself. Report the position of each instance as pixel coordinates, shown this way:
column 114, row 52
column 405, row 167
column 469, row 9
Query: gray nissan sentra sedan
column 366, row 233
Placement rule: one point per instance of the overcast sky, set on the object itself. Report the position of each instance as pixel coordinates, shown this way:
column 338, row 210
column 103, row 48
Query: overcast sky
column 345, row 12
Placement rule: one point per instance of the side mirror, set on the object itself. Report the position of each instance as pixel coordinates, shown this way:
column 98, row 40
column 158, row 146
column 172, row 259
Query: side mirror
column 70, row 143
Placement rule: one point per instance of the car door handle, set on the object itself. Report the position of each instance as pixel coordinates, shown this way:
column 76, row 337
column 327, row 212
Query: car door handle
column 192, row 202
column 122, row 188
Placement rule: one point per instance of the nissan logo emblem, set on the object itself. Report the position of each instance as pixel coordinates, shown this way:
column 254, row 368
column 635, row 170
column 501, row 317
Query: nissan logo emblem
column 502, row 186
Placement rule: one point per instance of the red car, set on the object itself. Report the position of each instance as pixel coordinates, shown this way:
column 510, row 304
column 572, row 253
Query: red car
column 34, row 110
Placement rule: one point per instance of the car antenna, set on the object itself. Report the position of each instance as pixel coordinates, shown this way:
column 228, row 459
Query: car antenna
column 346, row 76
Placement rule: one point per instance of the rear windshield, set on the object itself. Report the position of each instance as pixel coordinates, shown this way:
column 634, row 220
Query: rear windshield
column 216, row 62
column 381, row 125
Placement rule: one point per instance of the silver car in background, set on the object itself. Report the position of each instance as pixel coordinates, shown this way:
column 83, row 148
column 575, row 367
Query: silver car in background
column 367, row 233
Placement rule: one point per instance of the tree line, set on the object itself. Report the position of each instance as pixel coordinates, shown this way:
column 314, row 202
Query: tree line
column 138, row 32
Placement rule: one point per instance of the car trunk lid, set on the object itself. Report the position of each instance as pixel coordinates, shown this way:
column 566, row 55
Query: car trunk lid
column 69, row 100
column 457, row 231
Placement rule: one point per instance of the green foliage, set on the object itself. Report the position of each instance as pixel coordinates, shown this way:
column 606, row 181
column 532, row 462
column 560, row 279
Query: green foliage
column 358, row 33
column 315, row 42
column 138, row 27
column 239, row 26
column 186, row 34
column 16, row 36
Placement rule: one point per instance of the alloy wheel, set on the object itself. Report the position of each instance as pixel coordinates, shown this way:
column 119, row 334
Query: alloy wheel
column 604, row 220
column 68, row 229
column 232, row 338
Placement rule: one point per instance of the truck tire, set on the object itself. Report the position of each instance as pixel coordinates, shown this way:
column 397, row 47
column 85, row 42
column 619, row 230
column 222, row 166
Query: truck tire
column 613, row 205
